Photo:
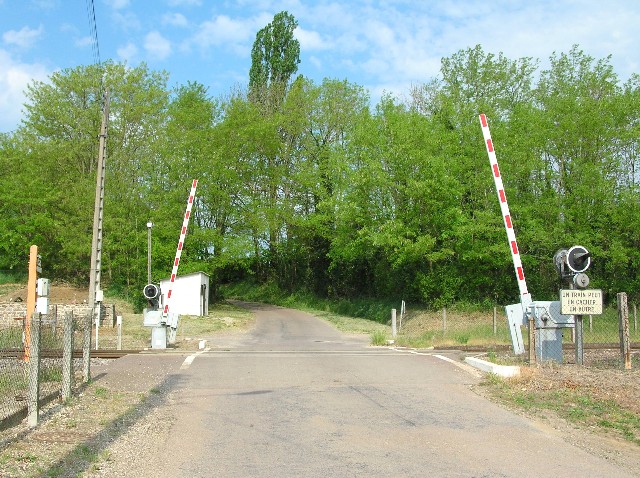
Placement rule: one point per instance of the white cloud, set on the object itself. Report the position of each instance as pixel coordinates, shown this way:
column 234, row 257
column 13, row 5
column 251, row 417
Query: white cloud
column 128, row 52
column 311, row 40
column 157, row 46
column 175, row 19
column 315, row 61
column 83, row 42
column 221, row 29
column 177, row 3
column 236, row 35
column 127, row 20
column 14, row 78
column 23, row 38
column 117, row 4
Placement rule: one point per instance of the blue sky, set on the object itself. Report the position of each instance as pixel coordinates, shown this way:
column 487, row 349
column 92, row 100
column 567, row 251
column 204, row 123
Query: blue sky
column 381, row 45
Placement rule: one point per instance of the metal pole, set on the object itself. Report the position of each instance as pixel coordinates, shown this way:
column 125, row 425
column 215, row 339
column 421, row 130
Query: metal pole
column 149, row 226
column 495, row 320
column 579, row 340
column 579, row 329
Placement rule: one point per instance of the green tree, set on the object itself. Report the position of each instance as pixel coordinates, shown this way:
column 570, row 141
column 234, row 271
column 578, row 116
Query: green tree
column 59, row 137
column 476, row 82
column 581, row 128
column 274, row 60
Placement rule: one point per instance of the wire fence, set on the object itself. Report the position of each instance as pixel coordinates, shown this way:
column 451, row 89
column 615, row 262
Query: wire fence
column 40, row 351
column 482, row 330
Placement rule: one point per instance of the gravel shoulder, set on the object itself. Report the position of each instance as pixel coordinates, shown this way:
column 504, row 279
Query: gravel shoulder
column 557, row 396
column 76, row 438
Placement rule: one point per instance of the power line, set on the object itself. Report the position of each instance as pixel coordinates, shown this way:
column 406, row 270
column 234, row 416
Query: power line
column 93, row 30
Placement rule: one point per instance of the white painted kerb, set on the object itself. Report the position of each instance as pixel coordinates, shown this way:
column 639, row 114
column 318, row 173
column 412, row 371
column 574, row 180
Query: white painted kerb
column 501, row 370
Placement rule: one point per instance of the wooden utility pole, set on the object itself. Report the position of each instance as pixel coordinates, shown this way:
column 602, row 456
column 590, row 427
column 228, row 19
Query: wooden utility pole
column 31, row 299
column 623, row 328
column 95, row 294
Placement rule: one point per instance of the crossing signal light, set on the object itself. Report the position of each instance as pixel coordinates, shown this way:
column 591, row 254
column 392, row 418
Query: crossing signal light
column 578, row 259
column 151, row 292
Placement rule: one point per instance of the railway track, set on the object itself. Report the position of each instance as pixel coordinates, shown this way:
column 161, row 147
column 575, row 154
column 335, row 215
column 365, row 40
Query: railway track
column 106, row 354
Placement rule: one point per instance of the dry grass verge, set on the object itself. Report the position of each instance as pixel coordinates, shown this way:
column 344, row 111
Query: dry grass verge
column 595, row 407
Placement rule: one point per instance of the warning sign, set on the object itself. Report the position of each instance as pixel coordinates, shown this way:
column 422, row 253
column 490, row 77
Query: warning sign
column 581, row 302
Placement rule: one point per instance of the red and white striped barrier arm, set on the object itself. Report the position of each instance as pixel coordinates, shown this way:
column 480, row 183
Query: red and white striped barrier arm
column 183, row 233
column 525, row 297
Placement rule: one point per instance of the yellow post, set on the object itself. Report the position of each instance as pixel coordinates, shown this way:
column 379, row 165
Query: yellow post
column 31, row 299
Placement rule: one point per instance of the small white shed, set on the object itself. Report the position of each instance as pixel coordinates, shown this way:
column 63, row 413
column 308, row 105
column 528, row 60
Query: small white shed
column 189, row 294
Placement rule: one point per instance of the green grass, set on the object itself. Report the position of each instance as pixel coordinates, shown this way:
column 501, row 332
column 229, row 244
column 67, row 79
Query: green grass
column 13, row 382
column 51, row 374
column 573, row 405
column 364, row 308
column 11, row 338
column 102, row 393
column 350, row 325
column 378, row 338
column 10, row 277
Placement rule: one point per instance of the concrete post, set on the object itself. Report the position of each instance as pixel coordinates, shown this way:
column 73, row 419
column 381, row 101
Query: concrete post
column 86, row 348
column 67, row 357
column 119, row 325
column 393, row 323
column 34, row 371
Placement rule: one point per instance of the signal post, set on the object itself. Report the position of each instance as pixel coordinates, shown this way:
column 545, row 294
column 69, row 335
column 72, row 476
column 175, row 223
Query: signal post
column 577, row 300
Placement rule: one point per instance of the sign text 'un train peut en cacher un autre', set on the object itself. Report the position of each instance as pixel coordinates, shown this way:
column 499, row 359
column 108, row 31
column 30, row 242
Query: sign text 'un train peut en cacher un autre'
column 581, row 301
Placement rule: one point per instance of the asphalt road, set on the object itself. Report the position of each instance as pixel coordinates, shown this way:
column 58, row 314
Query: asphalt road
column 295, row 398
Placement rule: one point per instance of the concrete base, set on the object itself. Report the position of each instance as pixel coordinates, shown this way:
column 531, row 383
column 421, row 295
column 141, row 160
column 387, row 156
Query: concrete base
column 159, row 337
column 500, row 370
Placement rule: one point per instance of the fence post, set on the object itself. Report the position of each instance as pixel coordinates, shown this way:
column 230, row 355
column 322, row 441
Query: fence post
column 532, row 341
column 34, row 371
column 97, row 329
column 393, row 323
column 495, row 320
column 635, row 319
column 623, row 328
column 119, row 324
column 444, row 320
column 67, row 356
column 86, row 348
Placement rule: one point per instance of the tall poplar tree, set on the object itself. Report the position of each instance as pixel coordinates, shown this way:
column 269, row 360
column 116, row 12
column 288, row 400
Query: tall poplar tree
column 274, row 60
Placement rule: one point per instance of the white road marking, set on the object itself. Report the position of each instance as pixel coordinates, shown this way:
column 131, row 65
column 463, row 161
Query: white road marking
column 463, row 366
column 189, row 360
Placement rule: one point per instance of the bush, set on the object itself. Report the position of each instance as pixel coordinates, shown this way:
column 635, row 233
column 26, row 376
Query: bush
column 378, row 337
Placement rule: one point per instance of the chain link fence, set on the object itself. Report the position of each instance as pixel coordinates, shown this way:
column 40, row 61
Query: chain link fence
column 37, row 364
column 489, row 330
